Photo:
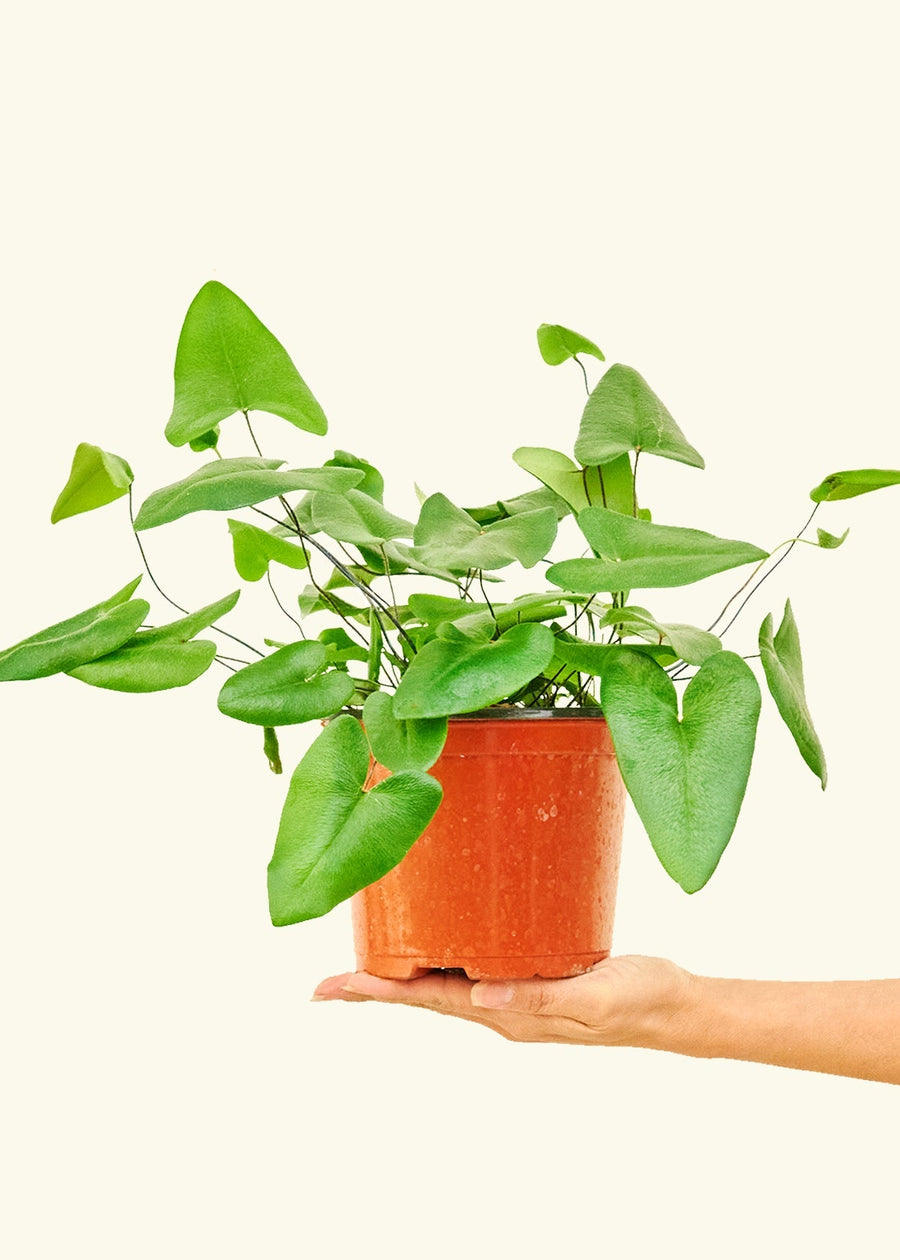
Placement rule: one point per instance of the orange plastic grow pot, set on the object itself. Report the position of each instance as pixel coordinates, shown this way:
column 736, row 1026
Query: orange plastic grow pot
column 516, row 876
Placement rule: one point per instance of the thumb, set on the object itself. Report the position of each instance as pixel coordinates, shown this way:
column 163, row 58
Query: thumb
column 534, row 997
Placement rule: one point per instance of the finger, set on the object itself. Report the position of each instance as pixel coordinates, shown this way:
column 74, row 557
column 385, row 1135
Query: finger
column 436, row 990
column 578, row 998
column 331, row 988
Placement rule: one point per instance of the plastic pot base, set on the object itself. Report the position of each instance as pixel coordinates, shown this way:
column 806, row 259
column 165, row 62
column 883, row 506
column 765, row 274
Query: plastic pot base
column 548, row 966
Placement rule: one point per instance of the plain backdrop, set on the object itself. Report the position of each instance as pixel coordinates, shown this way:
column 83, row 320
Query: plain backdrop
column 403, row 192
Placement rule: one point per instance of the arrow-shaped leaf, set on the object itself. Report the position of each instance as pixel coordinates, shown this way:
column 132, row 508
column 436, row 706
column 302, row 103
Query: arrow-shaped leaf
column 447, row 538
column 783, row 666
column 97, row 478
column 690, row 643
column 334, row 838
column 640, row 554
column 186, row 627
column 228, row 361
column 623, row 414
column 357, row 518
column 847, row 485
column 286, row 688
column 226, row 484
column 81, row 638
column 461, row 677
column 686, row 775
column 557, row 344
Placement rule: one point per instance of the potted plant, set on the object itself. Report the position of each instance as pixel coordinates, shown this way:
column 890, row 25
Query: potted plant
column 433, row 677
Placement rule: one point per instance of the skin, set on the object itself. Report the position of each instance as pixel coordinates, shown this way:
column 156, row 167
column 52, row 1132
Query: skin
column 844, row 1027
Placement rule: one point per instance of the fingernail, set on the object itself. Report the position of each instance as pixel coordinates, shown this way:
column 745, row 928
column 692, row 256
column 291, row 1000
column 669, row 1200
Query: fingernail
column 491, row 995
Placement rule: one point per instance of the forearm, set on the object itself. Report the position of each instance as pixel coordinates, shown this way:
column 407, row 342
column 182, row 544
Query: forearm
column 846, row 1027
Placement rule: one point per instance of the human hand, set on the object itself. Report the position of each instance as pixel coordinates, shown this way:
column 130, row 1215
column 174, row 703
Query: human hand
column 625, row 1001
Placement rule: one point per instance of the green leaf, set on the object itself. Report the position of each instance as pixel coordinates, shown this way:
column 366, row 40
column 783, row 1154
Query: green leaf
column 846, row 485
column 612, row 486
column 322, row 599
column 500, row 509
column 271, row 749
column 559, row 473
column 783, row 666
column 140, row 667
column 372, row 483
column 448, row 539
column 81, row 638
column 255, row 549
column 401, row 745
column 340, row 648
column 445, row 678
column 690, row 643
column 357, row 518
column 403, row 557
column 226, row 484
column 97, row 478
column 557, row 344
column 186, row 627
column 592, row 658
column 376, row 643
column 286, row 688
column 830, row 541
column 686, row 775
column 637, row 553
column 623, row 414
column 228, row 361
column 334, row 838
column 206, row 441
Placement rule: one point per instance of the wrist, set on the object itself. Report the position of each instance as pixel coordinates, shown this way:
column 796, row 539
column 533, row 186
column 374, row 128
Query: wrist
column 676, row 1020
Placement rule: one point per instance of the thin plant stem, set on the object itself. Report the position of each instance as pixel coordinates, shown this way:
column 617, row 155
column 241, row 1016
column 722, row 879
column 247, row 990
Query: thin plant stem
column 287, row 614
column 137, row 538
column 584, row 374
column 779, row 561
column 485, row 594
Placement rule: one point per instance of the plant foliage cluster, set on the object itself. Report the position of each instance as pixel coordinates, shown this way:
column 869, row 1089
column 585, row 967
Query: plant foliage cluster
column 419, row 625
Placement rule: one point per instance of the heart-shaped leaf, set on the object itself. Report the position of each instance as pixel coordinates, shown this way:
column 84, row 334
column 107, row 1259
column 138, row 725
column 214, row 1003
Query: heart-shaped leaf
column 686, row 775
column 255, row 549
column 638, row 553
column 335, row 838
column 81, row 638
column 398, row 744
column 97, row 478
column 226, row 484
column 157, row 666
column 623, row 414
column 228, row 361
column 783, row 666
column 847, row 485
column 286, row 688
column 557, row 344
column 446, row 678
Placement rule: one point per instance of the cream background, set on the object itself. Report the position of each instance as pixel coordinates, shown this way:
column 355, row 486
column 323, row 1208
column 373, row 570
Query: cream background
column 403, row 192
